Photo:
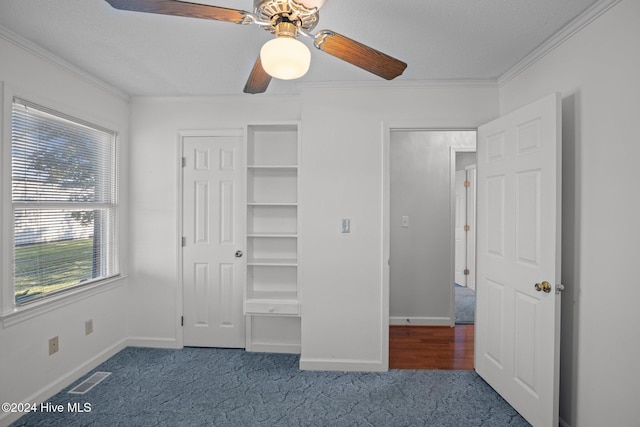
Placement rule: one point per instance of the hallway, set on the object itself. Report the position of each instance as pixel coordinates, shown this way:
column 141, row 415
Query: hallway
column 431, row 347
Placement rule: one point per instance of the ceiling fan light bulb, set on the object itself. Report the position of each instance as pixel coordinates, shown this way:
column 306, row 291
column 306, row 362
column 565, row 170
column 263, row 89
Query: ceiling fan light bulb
column 285, row 58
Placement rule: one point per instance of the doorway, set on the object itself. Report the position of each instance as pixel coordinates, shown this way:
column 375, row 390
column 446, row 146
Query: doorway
column 421, row 213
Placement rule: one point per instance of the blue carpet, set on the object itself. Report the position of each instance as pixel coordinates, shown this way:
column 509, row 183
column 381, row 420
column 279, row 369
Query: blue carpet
column 219, row 387
column 465, row 305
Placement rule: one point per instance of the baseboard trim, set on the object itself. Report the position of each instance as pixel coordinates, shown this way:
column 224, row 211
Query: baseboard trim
column 64, row 381
column 170, row 343
column 345, row 365
column 420, row 321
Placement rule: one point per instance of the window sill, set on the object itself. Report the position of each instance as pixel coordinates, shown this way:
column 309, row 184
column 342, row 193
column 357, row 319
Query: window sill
column 26, row 312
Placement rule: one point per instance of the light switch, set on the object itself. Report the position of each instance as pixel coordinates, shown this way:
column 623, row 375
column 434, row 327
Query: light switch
column 346, row 226
column 405, row 222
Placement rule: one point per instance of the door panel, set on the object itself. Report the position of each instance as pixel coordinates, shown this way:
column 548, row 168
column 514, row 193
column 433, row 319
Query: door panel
column 201, row 297
column 526, row 336
column 495, row 194
column 494, row 322
column 518, row 245
column 213, row 277
column 528, row 217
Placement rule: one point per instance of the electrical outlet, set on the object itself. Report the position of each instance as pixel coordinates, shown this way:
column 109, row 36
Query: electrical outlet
column 88, row 327
column 53, row 345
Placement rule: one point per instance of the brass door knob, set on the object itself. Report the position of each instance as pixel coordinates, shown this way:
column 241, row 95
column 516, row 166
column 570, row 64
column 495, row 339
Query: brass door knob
column 544, row 286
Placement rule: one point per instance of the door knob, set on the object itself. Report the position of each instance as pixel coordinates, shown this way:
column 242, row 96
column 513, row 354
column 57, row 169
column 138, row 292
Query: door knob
column 544, row 286
column 238, row 254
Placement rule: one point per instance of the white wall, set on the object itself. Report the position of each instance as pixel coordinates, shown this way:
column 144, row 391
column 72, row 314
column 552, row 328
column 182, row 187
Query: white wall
column 597, row 72
column 421, row 265
column 463, row 160
column 27, row 372
column 344, row 283
column 155, row 294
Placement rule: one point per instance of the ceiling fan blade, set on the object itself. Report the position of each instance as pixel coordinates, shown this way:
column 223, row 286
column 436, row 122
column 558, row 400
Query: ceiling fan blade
column 182, row 8
column 258, row 79
column 360, row 55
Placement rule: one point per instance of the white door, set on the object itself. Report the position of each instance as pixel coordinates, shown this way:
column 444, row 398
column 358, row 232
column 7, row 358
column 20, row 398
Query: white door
column 518, row 327
column 471, row 221
column 460, row 232
column 213, row 272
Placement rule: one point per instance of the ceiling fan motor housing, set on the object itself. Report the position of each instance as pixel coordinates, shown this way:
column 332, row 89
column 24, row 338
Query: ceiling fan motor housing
column 280, row 11
column 286, row 29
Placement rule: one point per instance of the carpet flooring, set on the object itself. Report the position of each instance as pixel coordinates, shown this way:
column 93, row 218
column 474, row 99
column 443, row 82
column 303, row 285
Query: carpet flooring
column 222, row 387
column 465, row 305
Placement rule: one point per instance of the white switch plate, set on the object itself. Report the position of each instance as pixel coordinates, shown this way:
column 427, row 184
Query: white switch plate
column 405, row 222
column 346, row 226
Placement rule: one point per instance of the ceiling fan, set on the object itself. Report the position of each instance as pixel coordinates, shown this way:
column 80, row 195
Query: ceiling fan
column 284, row 57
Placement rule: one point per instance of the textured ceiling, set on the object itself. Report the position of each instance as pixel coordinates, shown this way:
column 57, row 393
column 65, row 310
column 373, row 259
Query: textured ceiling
column 149, row 54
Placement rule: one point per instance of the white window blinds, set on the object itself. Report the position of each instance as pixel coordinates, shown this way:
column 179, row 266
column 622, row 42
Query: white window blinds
column 64, row 201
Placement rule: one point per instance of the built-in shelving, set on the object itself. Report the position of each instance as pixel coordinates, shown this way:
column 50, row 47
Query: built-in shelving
column 273, row 283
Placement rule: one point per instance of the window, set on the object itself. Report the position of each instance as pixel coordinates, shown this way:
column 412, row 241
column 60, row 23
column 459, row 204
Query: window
column 63, row 193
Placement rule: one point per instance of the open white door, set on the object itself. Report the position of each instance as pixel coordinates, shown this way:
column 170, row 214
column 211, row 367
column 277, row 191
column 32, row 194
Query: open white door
column 471, row 221
column 460, row 232
column 518, row 246
column 213, row 269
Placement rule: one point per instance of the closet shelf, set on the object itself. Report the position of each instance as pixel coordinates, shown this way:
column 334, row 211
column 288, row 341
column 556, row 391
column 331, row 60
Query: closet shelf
column 294, row 204
column 268, row 262
column 279, row 234
column 285, row 297
column 273, row 167
column 276, row 307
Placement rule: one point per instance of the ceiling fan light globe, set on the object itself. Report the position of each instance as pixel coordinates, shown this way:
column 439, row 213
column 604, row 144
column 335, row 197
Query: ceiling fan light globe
column 285, row 58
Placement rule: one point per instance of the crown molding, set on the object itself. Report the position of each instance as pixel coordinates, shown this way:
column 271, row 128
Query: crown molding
column 41, row 53
column 401, row 84
column 585, row 18
column 264, row 97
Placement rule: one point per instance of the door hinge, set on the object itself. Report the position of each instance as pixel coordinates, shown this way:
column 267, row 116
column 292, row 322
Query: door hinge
column 184, row 162
column 467, row 228
column 183, row 242
column 466, row 271
column 181, row 320
column 467, row 183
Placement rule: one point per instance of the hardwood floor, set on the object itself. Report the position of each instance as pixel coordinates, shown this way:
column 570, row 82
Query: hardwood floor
column 431, row 347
